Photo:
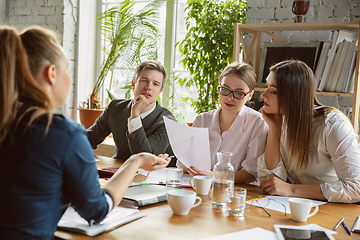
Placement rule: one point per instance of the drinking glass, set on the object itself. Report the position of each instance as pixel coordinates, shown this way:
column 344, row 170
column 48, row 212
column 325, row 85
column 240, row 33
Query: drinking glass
column 235, row 201
column 174, row 177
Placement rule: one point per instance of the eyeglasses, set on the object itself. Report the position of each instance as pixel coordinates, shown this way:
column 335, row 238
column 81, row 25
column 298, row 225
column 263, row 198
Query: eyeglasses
column 263, row 203
column 236, row 94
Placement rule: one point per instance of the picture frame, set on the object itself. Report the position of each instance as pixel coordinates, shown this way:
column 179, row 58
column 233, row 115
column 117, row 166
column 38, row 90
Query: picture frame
column 275, row 52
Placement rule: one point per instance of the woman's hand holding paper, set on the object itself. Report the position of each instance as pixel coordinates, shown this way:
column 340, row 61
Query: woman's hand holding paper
column 194, row 171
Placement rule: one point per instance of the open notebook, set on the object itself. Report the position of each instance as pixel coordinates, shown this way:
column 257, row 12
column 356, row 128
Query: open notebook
column 142, row 195
column 72, row 222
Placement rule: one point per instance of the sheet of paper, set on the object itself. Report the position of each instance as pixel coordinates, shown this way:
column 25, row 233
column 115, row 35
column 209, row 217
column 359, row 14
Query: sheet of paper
column 159, row 177
column 190, row 145
column 277, row 203
column 249, row 234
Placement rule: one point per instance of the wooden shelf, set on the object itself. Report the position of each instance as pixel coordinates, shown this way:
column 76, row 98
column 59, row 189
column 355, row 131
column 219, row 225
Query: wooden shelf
column 311, row 26
column 254, row 47
column 318, row 93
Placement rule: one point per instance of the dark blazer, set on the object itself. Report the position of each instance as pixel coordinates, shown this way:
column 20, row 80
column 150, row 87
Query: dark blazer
column 151, row 137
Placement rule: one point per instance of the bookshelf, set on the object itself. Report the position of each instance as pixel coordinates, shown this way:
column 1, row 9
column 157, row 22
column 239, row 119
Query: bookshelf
column 254, row 47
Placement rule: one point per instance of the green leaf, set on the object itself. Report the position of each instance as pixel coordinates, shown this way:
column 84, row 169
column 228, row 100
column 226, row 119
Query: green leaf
column 207, row 46
column 111, row 95
column 131, row 35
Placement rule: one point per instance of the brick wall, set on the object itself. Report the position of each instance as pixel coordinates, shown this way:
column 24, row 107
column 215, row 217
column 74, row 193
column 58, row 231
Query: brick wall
column 280, row 11
column 58, row 15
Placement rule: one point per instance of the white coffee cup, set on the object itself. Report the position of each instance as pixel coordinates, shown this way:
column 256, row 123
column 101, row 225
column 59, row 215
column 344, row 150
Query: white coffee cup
column 181, row 201
column 300, row 209
column 201, row 184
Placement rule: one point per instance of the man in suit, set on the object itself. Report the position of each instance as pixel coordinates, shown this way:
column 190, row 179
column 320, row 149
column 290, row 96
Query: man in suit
column 137, row 125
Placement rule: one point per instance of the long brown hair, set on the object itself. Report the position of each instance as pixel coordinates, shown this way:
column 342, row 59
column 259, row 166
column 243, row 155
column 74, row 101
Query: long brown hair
column 16, row 83
column 295, row 90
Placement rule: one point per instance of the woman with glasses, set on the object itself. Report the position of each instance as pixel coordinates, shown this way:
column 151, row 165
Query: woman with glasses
column 311, row 145
column 234, row 127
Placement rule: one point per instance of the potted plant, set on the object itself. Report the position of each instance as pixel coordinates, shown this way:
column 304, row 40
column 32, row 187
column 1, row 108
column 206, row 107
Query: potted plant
column 129, row 38
column 207, row 47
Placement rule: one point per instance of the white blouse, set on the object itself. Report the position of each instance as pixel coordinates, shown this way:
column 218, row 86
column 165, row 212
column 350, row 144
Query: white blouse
column 246, row 137
column 333, row 160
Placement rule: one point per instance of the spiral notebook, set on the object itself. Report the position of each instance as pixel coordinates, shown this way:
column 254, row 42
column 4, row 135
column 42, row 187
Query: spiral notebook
column 142, row 195
column 71, row 221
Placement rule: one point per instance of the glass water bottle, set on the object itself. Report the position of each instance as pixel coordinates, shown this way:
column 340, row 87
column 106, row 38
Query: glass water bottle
column 223, row 177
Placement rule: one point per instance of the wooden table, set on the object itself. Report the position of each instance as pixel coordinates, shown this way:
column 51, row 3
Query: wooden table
column 206, row 221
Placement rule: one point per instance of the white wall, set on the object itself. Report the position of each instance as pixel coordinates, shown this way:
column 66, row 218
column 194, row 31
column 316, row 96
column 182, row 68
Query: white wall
column 279, row 11
column 88, row 48
column 58, row 15
column 70, row 34
column 2, row 12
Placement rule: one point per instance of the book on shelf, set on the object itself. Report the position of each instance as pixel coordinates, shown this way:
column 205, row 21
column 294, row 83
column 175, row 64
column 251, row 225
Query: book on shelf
column 340, row 65
column 71, row 221
column 350, row 88
column 336, row 67
column 339, row 36
column 350, row 73
column 318, row 54
column 346, row 68
column 142, row 195
column 321, row 62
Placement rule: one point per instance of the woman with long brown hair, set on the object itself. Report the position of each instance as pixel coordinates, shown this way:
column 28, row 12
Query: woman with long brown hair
column 312, row 150
column 46, row 160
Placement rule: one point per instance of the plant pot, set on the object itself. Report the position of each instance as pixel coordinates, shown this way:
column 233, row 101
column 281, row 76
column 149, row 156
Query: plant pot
column 88, row 116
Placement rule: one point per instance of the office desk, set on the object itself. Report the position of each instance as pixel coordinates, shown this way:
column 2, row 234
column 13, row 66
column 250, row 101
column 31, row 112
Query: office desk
column 205, row 221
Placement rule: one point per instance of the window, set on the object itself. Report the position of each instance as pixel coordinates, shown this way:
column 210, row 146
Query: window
column 180, row 31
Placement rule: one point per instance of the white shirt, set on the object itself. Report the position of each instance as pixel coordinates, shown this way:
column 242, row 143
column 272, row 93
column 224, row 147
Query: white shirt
column 135, row 123
column 334, row 160
column 246, row 137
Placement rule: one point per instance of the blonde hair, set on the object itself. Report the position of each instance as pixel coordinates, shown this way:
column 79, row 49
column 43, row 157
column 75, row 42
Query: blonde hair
column 243, row 71
column 17, row 83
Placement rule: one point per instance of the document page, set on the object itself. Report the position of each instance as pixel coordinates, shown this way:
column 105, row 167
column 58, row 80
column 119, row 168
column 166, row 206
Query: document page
column 249, row 234
column 190, row 145
column 277, row 203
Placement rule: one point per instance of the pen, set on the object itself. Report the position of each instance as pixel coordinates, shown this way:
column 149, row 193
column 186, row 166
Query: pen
column 145, row 183
column 355, row 223
column 338, row 224
column 138, row 184
column 346, row 227
column 256, row 199
column 171, row 157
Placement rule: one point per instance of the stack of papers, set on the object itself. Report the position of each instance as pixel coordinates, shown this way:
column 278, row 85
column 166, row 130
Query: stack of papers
column 159, row 177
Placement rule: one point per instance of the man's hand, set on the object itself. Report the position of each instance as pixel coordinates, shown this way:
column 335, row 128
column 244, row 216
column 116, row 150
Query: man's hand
column 139, row 104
